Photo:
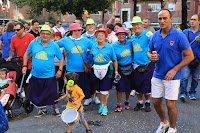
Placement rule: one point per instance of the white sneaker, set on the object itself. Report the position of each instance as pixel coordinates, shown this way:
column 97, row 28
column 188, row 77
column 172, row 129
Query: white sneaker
column 171, row 130
column 96, row 100
column 133, row 93
column 162, row 127
column 87, row 101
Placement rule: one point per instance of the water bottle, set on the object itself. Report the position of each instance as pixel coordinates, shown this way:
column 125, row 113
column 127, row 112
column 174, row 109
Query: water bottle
column 116, row 80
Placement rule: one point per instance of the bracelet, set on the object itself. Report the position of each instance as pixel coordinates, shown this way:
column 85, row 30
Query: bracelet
column 24, row 65
column 116, row 71
column 59, row 70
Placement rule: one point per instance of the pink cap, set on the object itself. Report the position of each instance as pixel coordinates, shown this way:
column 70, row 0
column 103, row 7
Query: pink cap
column 101, row 30
column 121, row 30
column 75, row 26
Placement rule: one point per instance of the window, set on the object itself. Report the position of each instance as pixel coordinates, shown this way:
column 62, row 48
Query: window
column 156, row 7
column 125, row 1
column 110, row 12
column 171, row 6
column 188, row 5
column 138, row 8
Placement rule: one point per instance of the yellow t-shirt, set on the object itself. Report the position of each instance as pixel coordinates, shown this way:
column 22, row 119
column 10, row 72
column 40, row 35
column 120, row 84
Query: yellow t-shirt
column 77, row 93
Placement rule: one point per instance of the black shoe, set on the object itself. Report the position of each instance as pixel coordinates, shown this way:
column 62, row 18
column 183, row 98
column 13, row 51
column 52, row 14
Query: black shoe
column 40, row 113
column 147, row 107
column 89, row 131
column 138, row 107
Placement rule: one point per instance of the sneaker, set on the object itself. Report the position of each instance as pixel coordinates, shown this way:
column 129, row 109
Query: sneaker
column 100, row 108
column 118, row 108
column 192, row 96
column 162, row 128
column 104, row 111
column 132, row 93
column 182, row 97
column 147, row 107
column 171, row 130
column 87, row 101
column 57, row 112
column 88, row 130
column 138, row 107
column 126, row 105
column 60, row 94
column 96, row 100
column 40, row 113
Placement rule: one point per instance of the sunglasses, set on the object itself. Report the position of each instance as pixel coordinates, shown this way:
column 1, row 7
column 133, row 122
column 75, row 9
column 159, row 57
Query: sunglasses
column 194, row 19
column 16, row 29
column 60, row 24
column 77, row 30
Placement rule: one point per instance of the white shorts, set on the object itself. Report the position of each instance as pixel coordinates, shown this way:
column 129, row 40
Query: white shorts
column 162, row 88
column 103, row 92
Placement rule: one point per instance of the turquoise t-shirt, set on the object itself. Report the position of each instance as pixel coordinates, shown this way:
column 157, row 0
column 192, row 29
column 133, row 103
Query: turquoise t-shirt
column 4, row 81
column 74, row 60
column 43, row 58
column 124, row 53
column 103, row 55
column 141, row 45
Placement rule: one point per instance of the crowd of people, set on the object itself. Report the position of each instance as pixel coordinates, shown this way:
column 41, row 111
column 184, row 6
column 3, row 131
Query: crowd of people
column 85, row 61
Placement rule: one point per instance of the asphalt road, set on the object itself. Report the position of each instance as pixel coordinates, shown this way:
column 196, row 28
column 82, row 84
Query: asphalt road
column 127, row 121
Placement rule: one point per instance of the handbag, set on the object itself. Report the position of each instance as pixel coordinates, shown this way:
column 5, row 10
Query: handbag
column 194, row 63
column 126, row 69
column 87, row 65
column 142, row 68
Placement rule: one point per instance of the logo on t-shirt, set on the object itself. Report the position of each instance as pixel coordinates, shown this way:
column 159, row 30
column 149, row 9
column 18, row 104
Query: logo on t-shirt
column 171, row 42
column 75, row 50
column 41, row 55
column 125, row 53
column 26, row 43
column 100, row 58
column 137, row 47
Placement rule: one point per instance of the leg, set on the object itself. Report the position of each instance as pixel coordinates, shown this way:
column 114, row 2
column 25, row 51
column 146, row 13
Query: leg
column 147, row 103
column 172, row 112
column 119, row 96
column 157, row 102
column 139, row 105
column 184, row 81
column 140, row 96
column 195, row 79
column 26, row 89
column 105, row 99
column 69, row 129
column 86, row 125
column 127, row 96
column 147, row 97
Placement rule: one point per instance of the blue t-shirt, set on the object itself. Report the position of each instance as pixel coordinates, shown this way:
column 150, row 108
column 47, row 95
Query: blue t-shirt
column 74, row 59
column 43, row 58
column 103, row 55
column 195, row 46
column 6, row 44
column 141, row 45
column 170, row 49
column 93, row 39
column 124, row 53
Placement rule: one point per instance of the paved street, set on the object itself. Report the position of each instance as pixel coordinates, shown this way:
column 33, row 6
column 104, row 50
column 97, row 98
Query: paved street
column 127, row 121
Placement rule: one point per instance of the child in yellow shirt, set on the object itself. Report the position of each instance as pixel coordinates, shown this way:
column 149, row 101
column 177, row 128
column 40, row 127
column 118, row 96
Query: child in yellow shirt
column 74, row 95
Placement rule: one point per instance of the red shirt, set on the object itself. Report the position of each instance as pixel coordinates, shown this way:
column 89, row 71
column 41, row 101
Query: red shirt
column 21, row 44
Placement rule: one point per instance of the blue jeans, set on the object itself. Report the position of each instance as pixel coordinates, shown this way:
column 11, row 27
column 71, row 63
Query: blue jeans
column 195, row 77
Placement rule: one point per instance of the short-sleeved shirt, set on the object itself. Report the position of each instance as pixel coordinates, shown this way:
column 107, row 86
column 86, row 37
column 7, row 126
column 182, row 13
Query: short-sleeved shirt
column 21, row 44
column 61, row 30
column 6, row 39
column 33, row 33
column 74, row 60
column 4, row 81
column 170, row 50
column 196, row 45
column 103, row 55
column 43, row 58
column 141, row 45
column 77, row 93
column 112, row 37
column 124, row 53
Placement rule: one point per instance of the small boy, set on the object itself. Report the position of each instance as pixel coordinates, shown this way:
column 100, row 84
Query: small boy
column 75, row 95
column 4, row 82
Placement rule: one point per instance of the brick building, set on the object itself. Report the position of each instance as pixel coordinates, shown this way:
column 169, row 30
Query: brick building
column 123, row 8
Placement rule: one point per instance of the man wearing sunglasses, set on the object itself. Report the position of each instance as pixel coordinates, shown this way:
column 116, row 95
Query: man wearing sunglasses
column 59, row 28
column 193, row 33
column 20, row 43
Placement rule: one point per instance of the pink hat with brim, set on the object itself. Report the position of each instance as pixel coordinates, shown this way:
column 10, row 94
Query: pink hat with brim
column 75, row 26
column 101, row 30
column 121, row 30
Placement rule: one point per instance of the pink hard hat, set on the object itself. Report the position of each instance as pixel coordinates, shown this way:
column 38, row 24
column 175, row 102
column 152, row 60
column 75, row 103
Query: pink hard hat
column 75, row 26
column 121, row 30
column 101, row 30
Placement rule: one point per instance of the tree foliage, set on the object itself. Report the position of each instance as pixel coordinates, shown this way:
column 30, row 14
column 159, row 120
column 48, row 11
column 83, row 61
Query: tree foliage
column 75, row 7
